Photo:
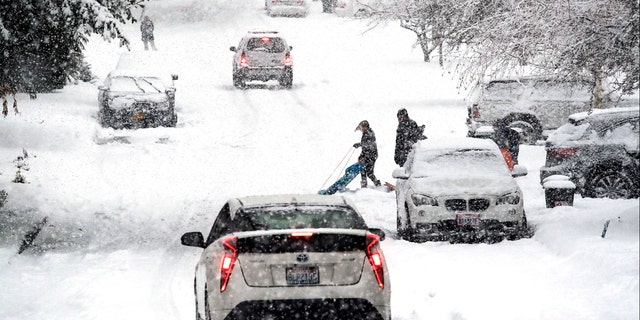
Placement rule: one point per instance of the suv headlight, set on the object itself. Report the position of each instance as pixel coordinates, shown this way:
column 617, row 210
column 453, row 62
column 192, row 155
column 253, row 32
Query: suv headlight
column 422, row 200
column 510, row 198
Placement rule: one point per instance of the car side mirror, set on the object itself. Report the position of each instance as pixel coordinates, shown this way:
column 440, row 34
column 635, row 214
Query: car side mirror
column 378, row 232
column 290, row 48
column 192, row 239
column 519, row 171
column 232, row 48
column 174, row 77
column 400, row 174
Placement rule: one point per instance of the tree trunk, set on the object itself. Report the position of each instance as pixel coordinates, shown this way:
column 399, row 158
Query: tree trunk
column 597, row 90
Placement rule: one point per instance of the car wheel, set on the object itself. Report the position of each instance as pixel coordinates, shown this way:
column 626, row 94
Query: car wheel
column 287, row 78
column 612, row 184
column 238, row 81
column 529, row 131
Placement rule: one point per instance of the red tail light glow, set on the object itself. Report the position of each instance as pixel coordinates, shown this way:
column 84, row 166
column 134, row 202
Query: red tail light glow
column 243, row 60
column 375, row 258
column 563, row 152
column 265, row 39
column 302, row 234
column 288, row 61
column 228, row 261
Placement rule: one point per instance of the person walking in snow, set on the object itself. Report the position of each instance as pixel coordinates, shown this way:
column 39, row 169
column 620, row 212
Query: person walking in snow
column 507, row 139
column 146, row 28
column 407, row 133
column 369, row 153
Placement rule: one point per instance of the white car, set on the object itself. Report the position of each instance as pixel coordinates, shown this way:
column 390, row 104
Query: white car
column 262, row 56
column 290, row 257
column 298, row 8
column 459, row 189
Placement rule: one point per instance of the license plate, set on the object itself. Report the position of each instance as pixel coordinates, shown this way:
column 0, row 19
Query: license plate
column 468, row 219
column 303, row 275
column 138, row 115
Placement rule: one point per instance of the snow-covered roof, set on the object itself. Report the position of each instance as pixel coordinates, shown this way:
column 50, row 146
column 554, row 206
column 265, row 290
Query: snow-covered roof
column 144, row 63
column 580, row 116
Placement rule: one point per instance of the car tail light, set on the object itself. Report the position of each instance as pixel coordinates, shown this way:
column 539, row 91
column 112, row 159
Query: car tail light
column 301, row 234
column 562, row 153
column 265, row 39
column 243, row 60
column 375, row 257
column 475, row 111
column 228, row 261
column 287, row 59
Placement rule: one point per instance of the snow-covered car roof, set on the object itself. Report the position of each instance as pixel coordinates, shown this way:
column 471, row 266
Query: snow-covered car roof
column 603, row 113
column 144, row 64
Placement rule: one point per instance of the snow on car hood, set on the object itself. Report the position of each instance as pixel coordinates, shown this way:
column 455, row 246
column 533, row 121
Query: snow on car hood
column 439, row 185
column 124, row 100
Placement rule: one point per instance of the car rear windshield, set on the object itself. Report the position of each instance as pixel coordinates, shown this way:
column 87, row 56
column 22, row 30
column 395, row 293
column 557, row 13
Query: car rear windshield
column 266, row 44
column 297, row 217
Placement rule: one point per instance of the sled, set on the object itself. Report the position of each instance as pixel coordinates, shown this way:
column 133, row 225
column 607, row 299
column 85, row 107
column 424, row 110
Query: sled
column 349, row 174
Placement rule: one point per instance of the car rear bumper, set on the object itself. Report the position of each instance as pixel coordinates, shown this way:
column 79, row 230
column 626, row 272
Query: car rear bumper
column 288, row 10
column 263, row 73
column 132, row 119
column 364, row 294
column 309, row 309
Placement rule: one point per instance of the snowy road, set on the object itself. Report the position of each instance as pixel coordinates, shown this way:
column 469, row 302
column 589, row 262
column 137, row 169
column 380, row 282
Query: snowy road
column 118, row 201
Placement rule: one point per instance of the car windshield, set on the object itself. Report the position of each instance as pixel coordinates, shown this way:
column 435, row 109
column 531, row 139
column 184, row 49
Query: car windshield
column 137, row 84
column 503, row 89
column 297, row 217
column 459, row 162
column 266, row 44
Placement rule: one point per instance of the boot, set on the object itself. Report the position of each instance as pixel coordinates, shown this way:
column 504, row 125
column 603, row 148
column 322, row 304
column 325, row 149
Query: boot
column 377, row 183
column 363, row 183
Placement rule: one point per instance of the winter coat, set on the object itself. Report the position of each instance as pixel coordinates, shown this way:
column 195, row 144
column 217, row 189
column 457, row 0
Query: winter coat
column 507, row 138
column 369, row 146
column 146, row 27
column 407, row 134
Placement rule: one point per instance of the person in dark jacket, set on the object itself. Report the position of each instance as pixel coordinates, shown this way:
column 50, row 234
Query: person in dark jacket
column 407, row 134
column 146, row 28
column 369, row 153
column 507, row 138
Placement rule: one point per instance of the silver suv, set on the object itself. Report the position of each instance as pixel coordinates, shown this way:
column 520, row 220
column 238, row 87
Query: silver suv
column 290, row 257
column 262, row 56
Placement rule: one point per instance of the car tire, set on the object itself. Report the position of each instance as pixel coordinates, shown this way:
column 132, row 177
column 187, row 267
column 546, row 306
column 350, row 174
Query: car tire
column 287, row 78
column 610, row 183
column 530, row 126
column 238, row 81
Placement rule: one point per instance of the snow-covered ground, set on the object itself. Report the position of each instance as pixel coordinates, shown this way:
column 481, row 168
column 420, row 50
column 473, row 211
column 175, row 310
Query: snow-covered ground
column 117, row 201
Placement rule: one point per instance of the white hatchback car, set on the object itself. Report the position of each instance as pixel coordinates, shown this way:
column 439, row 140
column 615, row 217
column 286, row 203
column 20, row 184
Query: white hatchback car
column 299, row 8
column 290, row 257
column 458, row 190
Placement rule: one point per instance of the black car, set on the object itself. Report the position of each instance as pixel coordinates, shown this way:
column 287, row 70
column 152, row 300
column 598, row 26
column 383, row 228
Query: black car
column 598, row 151
column 136, row 95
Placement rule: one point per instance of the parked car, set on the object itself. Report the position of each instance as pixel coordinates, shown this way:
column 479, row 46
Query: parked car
column 459, row 189
column 598, row 151
column 533, row 105
column 263, row 56
column 290, row 257
column 298, row 8
column 353, row 8
column 137, row 94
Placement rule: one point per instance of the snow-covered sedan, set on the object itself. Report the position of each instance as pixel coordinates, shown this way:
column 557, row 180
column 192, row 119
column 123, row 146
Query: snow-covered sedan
column 290, row 257
column 458, row 189
column 137, row 94
column 299, row 8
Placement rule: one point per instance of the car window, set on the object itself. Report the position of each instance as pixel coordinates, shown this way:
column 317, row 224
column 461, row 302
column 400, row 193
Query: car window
column 459, row 162
column 266, row 44
column 503, row 89
column 560, row 90
column 221, row 226
column 297, row 217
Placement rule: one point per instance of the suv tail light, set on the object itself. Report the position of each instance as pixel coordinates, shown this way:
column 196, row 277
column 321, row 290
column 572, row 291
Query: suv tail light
column 375, row 257
column 561, row 153
column 243, row 60
column 287, row 59
column 228, row 261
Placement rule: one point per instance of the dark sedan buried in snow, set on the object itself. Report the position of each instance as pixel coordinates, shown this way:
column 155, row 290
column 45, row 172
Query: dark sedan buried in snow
column 135, row 95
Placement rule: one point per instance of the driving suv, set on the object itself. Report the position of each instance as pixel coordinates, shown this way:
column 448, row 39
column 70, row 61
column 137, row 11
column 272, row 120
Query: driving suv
column 598, row 151
column 290, row 257
column 262, row 56
column 458, row 190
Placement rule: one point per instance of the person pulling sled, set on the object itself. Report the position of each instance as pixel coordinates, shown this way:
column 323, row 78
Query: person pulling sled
column 369, row 153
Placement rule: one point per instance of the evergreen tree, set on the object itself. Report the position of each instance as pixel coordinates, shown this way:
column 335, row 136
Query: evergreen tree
column 41, row 41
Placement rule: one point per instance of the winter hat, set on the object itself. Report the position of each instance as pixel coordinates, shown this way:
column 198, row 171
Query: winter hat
column 402, row 112
column 362, row 126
